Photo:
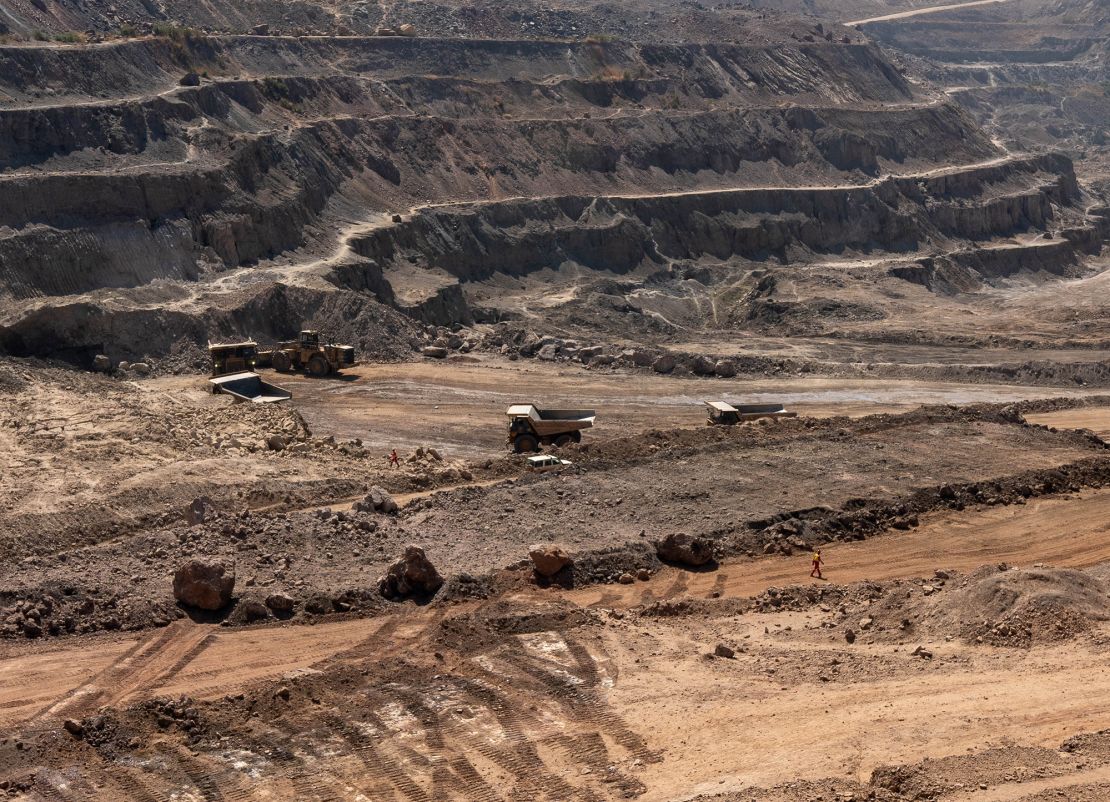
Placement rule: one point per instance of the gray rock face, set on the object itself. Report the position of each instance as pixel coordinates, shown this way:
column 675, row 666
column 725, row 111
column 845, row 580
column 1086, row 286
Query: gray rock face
column 548, row 559
column 206, row 586
column 412, row 575
column 679, row 547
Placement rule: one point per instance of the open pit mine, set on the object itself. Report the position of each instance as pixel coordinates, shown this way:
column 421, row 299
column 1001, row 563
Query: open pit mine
column 442, row 400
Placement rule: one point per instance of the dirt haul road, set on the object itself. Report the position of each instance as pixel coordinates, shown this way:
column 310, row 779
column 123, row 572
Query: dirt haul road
column 40, row 685
column 459, row 407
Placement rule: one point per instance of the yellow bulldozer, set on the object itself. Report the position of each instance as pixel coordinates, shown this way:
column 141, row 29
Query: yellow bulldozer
column 307, row 353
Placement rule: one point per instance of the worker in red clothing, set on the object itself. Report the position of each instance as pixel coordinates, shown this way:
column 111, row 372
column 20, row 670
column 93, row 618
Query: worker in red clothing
column 816, row 572
column 394, row 462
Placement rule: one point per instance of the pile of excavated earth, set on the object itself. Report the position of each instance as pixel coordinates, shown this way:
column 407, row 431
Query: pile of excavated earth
column 890, row 217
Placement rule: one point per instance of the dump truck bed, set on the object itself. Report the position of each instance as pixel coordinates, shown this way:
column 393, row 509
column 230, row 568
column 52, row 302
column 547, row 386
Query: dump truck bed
column 751, row 411
column 553, row 421
column 249, row 386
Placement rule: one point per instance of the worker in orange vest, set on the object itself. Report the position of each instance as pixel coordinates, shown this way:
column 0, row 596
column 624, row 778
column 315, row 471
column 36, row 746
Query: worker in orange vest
column 816, row 572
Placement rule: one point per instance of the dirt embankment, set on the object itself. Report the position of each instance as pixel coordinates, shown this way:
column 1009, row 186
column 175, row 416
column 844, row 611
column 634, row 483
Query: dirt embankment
column 609, row 510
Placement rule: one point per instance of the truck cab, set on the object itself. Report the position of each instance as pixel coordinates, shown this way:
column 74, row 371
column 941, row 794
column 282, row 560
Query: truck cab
column 233, row 357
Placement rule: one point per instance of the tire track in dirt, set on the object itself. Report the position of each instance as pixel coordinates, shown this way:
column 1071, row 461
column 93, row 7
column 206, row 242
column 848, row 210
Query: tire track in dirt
column 518, row 756
column 120, row 666
column 578, row 693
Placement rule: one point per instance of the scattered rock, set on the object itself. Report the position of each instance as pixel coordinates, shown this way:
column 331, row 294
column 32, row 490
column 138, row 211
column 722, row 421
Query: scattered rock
column 626, row 578
column 74, row 727
column 865, row 623
column 923, row 653
column 142, row 368
column 102, row 363
column 377, row 500
column 206, row 586
column 850, row 635
column 412, row 575
column 190, row 79
column 724, row 651
column 434, row 351
column 548, row 559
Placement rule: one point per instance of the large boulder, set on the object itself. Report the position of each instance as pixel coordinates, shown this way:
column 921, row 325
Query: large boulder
column 280, row 602
column 684, row 549
column 412, row 575
column 548, row 559
column 664, row 364
column 435, row 351
column 702, row 365
column 204, row 585
column 548, row 352
column 725, row 367
column 377, row 500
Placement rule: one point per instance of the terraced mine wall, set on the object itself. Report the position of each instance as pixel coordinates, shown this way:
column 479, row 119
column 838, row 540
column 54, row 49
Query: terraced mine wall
column 620, row 234
column 499, row 156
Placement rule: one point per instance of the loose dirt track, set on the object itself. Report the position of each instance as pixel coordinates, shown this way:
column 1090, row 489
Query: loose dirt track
column 206, row 662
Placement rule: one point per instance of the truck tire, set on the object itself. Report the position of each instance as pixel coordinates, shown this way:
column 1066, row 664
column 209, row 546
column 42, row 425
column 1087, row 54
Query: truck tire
column 281, row 362
column 318, row 366
column 525, row 442
column 564, row 440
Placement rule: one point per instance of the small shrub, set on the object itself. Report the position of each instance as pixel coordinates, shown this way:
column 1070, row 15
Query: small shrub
column 177, row 33
column 69, row 37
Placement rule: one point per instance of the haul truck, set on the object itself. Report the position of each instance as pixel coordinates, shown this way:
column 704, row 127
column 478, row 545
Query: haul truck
column 529, row 426
column 722, row 413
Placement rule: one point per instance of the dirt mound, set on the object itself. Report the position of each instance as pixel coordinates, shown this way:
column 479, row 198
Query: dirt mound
column 1027, row 606
column 499, row 620
column 995, row 604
